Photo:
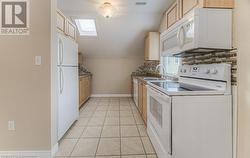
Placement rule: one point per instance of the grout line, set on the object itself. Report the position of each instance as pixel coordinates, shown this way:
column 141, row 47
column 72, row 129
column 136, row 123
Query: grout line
column 139, row 133
column 100, row 134
column 120, row 127
column 78, row 139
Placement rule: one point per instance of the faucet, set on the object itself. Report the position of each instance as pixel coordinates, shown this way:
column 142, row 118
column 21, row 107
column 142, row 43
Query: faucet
column 163, row 69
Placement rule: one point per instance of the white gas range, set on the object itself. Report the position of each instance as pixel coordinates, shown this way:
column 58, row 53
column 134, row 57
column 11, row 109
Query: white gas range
column 192, row 118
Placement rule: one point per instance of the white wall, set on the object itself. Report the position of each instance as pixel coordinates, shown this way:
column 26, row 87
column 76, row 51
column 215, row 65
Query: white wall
column 242, row 41
column 112, row 75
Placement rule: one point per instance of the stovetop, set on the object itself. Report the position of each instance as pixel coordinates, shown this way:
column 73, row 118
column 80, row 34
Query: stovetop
column 175, row 86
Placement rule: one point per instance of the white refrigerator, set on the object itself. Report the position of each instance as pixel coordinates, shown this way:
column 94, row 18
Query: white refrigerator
column 68, row 92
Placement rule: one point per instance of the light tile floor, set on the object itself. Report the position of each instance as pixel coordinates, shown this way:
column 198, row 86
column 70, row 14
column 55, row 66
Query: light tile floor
column 107, row 128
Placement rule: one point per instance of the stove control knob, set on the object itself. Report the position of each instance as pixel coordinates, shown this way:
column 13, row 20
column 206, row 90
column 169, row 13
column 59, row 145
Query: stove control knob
column 184, row 70
column 213, row 71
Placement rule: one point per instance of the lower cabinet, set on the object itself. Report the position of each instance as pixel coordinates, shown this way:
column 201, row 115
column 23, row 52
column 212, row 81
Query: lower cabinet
column 144, row 103
column 140, row 94
column 143, row 100
column 84, row 89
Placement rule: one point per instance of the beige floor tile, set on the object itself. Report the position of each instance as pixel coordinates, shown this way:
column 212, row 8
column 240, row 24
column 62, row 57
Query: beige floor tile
column 109, row 146
column 85, row 147
column 66, row 147
column 103, row 104
column 81, row 157
column 112, row 121
column 152, row 156
column 127, row 121
column 102, row 108
column 125, row 108
column 75, row 132
column 113, row 108
column 136, row 114
column 82, row 121
column 107, row 157
column 142, row 130
column 139, row 120
column 89, row 108
column 111, row 131
column 149, row 149
column 86, row 114
column 126, row 114
column 100, row 114
column 134, row 156
column 92, row 132
column 129, row 131
column 96, row 121
column 113, row 114
column 131, row 146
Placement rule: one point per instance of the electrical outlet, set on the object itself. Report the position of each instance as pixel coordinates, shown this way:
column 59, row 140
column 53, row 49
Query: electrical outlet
column 11, row 125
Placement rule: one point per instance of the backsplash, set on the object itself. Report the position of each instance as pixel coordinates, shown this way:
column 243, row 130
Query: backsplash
column 147, row 69
column 211, row 58
column 83, row 69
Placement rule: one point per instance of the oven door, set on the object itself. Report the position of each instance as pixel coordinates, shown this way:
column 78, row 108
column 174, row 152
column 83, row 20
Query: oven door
column 160, row 121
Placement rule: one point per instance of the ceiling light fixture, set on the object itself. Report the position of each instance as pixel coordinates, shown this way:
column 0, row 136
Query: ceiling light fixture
column 107, row 10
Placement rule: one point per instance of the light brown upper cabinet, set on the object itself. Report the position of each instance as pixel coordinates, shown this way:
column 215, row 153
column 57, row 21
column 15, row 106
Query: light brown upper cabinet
column 218, row 3
column 172, row 15
column 187, row 5
column 65, row 26
column 61, row 21
column 152, row 46
column 71, row 30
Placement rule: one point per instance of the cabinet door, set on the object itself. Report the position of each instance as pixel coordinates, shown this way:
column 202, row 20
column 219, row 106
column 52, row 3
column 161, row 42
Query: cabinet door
column 146, row 53
column 71, row 30
column 172, row 15
column 81, row 91
column 60, row 21
column 218, row 3
column 152, row 46
column 188, row 5
column 144, row 108
column 140, row 97
column 87, row 88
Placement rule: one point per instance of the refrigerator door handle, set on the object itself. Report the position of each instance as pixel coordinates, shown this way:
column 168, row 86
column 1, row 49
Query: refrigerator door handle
column 62, row 81
column 60, row 52
column 61, row 90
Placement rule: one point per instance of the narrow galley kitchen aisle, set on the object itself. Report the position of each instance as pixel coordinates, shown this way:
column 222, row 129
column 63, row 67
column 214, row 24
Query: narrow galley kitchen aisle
column 107, row 128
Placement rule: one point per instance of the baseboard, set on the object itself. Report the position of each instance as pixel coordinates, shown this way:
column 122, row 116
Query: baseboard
column 54, row 150
column 111, row 95
column 25, row 154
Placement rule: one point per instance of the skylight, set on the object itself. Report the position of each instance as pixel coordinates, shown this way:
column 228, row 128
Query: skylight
column 86, row 27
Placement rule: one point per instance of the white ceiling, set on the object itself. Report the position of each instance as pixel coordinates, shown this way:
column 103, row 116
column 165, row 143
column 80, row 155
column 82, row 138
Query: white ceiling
column 122, row 35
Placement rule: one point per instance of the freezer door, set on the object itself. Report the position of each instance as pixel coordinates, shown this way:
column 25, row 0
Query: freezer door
column 68, row 98
column 67, row 51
